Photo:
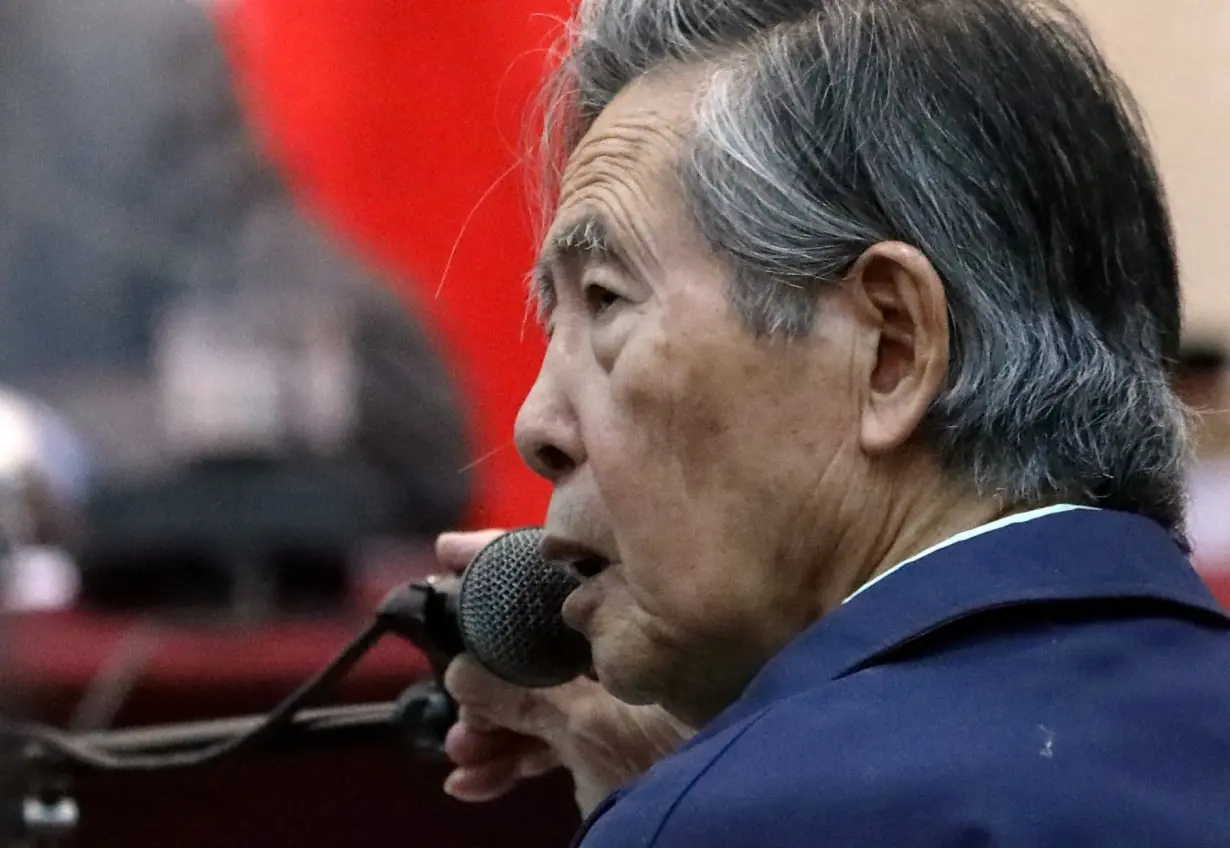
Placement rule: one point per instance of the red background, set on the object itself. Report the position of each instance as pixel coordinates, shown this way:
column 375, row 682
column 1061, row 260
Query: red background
column 399, row 123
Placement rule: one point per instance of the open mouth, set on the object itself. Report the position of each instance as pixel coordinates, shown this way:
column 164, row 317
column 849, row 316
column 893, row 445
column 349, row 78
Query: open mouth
column 590, row 566
column 578, row 558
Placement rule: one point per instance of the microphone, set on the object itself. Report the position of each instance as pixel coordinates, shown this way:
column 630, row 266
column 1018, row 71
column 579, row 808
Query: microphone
column 508, row 610
column 504, row 610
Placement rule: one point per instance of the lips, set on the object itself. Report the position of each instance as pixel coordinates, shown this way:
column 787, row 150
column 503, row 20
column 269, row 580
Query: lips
column 583, row 601
column 587, row 562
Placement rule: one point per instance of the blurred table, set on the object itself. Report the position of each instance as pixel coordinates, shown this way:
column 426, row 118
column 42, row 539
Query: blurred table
column 187, row 671
column 371, row 796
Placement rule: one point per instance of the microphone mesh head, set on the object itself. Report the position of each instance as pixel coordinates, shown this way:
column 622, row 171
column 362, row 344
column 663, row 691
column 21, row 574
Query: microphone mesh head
column 508, row 611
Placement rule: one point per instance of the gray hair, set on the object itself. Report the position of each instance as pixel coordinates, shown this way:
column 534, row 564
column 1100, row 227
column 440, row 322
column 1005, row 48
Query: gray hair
column 990, row 135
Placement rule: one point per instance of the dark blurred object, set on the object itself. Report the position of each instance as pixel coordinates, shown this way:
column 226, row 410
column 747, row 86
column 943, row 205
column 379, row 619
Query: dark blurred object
column 1200, row 378
column 1200, row 369
column 251, row 535
column 1203, row 356
column 160, row 288
column 373, row 797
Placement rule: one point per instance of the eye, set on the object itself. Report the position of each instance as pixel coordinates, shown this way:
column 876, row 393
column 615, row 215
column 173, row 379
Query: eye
column 599, row 299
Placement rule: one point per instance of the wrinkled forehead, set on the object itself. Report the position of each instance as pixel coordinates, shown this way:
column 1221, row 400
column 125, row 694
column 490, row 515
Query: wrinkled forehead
column 644, row 129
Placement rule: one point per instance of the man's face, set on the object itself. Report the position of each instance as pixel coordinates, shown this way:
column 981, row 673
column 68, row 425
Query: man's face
column 697, row 469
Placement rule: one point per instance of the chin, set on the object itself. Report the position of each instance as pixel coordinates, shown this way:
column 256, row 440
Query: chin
column 625, row 689
column 628, row 674
column 694, row 688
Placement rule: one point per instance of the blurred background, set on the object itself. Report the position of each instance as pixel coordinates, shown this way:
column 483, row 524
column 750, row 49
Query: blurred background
column 263, row 336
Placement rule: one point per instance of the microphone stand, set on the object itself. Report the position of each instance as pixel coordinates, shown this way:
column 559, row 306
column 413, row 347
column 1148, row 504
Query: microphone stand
column 325, row 725
column 422, row 613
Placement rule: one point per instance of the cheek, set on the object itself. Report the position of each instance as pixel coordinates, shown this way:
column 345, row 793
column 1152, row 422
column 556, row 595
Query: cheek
column 670, row 467
column 661, row 429
column 707, row 456
column 697, row 423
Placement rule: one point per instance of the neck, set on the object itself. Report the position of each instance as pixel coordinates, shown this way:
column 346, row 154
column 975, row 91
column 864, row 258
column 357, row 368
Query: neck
column 938, row 512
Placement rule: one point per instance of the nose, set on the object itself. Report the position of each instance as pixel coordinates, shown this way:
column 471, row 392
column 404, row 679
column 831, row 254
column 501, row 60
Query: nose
column 547, row 431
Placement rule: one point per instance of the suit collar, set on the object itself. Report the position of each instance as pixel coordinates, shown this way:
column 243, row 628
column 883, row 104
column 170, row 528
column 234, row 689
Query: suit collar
column 1061, row 556
column 989, row 527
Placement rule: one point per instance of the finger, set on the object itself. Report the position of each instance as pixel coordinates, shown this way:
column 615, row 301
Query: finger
column 484, row 696
column 534, row 763
column 476, row 720
column 482, row 783
column 455, row 550
column 467, row 747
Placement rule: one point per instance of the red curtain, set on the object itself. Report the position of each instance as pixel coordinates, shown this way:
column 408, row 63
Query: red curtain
column 399, row 123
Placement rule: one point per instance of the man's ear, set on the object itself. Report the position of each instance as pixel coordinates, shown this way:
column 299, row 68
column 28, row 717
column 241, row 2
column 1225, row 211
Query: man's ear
column 900, row 297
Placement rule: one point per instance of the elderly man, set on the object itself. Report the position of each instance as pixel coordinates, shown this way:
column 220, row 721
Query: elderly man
column 857, row 413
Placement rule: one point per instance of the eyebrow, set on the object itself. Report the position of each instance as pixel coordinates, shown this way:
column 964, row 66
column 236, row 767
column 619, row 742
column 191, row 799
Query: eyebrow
column 586, row 239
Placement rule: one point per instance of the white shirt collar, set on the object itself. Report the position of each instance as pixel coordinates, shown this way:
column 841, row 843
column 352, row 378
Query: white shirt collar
column 1018, row 518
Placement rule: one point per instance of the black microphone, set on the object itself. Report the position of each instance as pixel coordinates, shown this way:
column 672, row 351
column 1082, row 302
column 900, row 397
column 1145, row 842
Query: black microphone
column 504, row 610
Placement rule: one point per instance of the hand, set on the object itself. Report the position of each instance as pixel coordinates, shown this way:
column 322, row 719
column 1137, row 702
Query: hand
column 505, row 733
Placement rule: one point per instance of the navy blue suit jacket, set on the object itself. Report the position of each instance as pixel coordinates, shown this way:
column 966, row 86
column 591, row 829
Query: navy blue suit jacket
column 1060, row 683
